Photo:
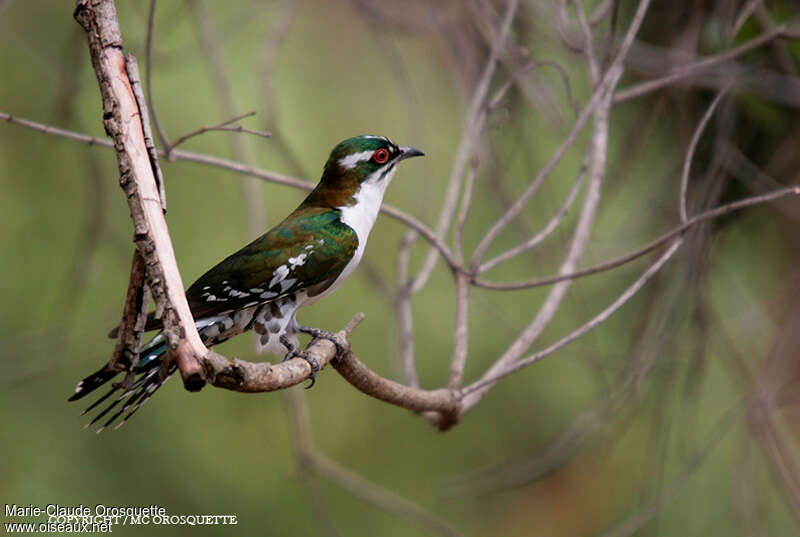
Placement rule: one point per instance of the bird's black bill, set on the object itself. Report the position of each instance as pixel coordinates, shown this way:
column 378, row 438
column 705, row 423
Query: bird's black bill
column 408, row 152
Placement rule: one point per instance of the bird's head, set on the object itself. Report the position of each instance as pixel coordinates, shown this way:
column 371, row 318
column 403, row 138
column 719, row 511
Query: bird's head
column 359, row 162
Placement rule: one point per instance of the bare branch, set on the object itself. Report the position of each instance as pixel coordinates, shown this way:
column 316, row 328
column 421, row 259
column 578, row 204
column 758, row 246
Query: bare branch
column 600, row 12
column 463, row 211
column 223, row 126
column 472, row 394
column 747, row 9
column 469, row 137
column 580, row 238
column 610, row 78
column 649, row 247
column 404, row 315
column 544, row 233
column 687, row 70
column 152, row 152
column 368, row 382
column 126, row 351
column 138, row 180
column 687, row 162
column 461, row 333
column 588, row 42
column 148, row 65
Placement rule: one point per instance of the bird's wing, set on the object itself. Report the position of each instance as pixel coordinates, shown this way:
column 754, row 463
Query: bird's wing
column 307, row 250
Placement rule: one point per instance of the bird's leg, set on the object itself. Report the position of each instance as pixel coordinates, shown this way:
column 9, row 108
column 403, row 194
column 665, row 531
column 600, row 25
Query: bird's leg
column 317, row 333
column 294, row 351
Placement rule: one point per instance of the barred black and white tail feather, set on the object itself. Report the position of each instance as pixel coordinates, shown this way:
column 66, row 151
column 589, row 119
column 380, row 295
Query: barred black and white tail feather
column 134, row 394
column 273, row 321
column 92, row 382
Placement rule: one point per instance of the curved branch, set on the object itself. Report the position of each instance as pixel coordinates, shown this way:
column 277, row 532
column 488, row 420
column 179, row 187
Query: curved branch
column 366, row 381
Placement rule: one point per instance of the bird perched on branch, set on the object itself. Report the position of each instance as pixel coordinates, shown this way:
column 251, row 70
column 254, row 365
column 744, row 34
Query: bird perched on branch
column 261, row 287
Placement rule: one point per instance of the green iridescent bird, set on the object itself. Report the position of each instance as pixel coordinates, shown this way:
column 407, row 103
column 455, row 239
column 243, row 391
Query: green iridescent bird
column 294, row 264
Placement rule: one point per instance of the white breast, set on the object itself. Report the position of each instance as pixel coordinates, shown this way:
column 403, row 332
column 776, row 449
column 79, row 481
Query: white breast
column 361, row 217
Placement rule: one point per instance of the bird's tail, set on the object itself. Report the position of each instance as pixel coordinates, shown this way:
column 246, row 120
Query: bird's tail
column 134, row 390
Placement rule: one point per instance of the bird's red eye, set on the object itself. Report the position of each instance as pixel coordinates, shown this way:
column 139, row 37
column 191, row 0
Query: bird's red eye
column 380, row 156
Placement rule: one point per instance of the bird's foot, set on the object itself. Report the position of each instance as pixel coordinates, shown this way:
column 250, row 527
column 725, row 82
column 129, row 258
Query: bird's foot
column 295, row 352
column 317, row 333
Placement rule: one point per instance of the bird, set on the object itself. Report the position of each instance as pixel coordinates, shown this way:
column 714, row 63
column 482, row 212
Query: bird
column 260, row 287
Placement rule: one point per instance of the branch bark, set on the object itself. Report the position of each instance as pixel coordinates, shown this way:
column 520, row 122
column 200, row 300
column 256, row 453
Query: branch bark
column 124, row 123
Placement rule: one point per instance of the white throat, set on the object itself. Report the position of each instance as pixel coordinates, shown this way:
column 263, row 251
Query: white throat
column 361, row 217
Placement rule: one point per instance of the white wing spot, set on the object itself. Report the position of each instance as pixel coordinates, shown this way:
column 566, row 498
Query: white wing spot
column 297, row 261
column 256, row 290
column 211, row 298
column 268, row 294
column 238, row 294
column 285, row 284
column 279, row 274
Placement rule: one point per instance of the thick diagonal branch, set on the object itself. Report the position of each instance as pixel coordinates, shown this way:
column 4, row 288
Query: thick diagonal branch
column 123, row 122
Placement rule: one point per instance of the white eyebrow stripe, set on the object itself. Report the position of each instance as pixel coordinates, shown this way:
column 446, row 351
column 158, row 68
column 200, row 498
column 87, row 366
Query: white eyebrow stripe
column 352, row 160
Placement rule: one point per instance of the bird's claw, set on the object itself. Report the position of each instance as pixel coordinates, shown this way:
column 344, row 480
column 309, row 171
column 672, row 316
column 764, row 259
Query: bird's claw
column 295, row 352
column 317, row 333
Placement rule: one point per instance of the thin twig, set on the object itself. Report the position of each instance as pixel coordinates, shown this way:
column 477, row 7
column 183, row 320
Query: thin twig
column 469, row 137
column 687, row 162
column 687, row 70
column 744, row 14
column 610, row 77
column 460, row 333
column 134, row 313
column 548, row 229
column 600, row 12
column 216, row 127
column 649, row 247
column 405, row 320
column 471, row 395
column 148, row 66
column 588, row 40
column 580, row 238
column 463, row 211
